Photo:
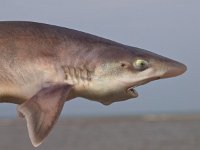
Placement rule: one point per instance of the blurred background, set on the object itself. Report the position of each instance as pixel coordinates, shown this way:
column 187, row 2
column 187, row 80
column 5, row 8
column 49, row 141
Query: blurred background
column 168, row 27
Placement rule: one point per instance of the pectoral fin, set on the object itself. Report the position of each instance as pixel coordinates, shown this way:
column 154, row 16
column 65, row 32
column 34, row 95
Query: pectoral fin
column 42, row 111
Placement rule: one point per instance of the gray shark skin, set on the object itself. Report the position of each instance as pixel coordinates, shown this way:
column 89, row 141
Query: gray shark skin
column 42, row 66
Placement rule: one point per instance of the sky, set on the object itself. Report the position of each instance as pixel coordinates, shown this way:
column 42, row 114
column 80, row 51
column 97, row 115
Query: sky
column 168, row 27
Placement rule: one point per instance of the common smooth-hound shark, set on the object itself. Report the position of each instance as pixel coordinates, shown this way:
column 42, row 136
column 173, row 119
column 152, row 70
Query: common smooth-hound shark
column 42, row 66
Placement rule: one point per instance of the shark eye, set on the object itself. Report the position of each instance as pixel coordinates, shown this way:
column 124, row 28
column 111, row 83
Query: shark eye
column 141, row 64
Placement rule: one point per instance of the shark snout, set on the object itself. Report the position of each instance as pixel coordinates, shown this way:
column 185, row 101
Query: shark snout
column 173, row 69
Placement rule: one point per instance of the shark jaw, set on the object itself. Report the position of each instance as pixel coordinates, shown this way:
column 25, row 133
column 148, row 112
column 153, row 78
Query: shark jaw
column 131, row 90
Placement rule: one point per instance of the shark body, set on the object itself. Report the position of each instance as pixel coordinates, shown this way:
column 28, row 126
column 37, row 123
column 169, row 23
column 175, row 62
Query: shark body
column 42, row 66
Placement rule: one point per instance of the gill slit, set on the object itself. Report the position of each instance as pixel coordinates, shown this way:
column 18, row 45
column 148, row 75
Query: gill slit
column 77, row 76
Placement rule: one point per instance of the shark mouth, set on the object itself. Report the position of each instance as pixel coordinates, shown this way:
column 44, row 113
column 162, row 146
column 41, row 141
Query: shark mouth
column 131, row 90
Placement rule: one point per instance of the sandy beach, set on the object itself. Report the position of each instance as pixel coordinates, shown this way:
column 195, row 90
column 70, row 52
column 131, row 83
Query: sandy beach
column 109, row 133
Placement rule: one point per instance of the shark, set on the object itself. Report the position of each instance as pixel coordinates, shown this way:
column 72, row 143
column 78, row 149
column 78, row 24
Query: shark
column 42, row 66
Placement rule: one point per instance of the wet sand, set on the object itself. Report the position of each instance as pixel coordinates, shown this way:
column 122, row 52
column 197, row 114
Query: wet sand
column 109, row 133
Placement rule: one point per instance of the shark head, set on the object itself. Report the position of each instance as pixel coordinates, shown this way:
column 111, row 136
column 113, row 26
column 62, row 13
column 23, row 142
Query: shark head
column 120, row 70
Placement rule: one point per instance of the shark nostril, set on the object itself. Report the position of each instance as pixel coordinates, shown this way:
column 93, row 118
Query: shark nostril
column 123, row 65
